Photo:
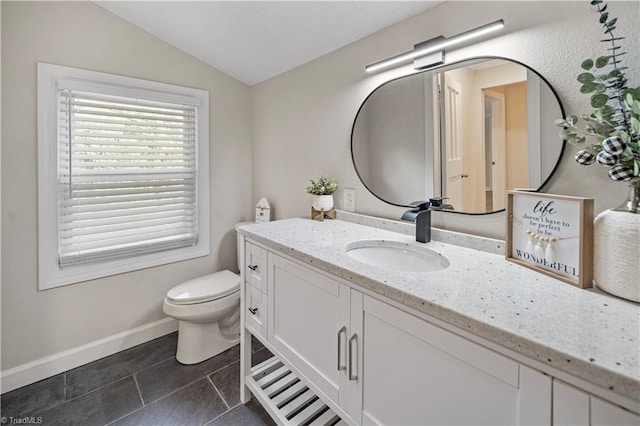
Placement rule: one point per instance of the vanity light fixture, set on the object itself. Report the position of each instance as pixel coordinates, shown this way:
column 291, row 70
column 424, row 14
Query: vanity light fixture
column 436, row 45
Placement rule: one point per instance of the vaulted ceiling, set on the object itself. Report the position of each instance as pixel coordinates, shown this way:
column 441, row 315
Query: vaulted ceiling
column 255, row 40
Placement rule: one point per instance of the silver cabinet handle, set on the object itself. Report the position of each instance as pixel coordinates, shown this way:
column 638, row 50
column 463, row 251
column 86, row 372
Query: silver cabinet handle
column 343, row 330
column 253, row 310
column 253, row 267
column 353, row 339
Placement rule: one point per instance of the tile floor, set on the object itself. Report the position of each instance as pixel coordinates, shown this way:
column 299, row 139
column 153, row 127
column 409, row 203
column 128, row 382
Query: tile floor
column 143, row 385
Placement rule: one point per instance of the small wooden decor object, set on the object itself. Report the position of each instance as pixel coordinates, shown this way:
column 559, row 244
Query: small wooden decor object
column 321, row 214
column 552, row 234
column 263, row 211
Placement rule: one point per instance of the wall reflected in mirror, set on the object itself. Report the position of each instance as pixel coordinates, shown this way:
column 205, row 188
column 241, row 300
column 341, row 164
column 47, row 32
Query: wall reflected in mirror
column 468, row 132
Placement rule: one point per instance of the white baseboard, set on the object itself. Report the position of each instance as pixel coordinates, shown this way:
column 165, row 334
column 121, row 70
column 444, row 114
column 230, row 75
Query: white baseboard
column 39, row 369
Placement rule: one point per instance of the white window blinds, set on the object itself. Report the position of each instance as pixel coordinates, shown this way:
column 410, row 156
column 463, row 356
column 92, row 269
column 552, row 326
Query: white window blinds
column 126, row 176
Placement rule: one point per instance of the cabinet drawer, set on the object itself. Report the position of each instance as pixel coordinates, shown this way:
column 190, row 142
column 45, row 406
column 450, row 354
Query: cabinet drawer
column 257, row 311
column 256, row 267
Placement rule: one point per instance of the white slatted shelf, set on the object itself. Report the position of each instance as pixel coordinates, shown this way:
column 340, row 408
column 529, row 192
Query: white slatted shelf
column 325, row 419
column 273, row 377
column 288, row 400
column 297, row 403
column 281, row 385
column 289, row 394
column 309, row 412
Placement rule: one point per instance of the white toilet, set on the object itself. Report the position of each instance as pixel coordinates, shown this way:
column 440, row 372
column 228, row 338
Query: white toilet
column 208, row 311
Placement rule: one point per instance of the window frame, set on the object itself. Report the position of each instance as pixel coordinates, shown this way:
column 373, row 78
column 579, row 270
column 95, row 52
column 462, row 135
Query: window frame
column 50, row 274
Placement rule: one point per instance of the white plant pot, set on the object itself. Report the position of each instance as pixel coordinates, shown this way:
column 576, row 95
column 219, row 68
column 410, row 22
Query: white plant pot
column 616, row 235
column 322, row 202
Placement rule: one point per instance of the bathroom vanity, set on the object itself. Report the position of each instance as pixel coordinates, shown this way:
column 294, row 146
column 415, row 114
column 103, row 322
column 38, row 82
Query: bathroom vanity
column 474, row 340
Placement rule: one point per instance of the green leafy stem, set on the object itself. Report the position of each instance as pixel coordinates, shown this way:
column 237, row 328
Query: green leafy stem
column 616, row 107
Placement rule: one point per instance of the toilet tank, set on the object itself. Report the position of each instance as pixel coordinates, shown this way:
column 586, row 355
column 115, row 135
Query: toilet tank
column 238, row 245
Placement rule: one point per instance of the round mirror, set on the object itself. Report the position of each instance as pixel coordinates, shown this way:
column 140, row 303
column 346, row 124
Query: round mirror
column 467, row 132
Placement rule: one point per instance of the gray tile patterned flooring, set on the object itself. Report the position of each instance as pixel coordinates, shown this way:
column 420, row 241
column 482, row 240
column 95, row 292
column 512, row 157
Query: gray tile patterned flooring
column 143, row 385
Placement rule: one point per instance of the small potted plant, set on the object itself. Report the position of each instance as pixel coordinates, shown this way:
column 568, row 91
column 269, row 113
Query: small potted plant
column 322, row 189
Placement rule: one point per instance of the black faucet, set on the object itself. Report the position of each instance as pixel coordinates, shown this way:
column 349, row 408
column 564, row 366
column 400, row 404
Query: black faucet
column 421, row 215
column 437, row 203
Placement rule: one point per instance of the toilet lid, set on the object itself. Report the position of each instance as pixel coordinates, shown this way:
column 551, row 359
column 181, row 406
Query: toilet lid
column 205, row 288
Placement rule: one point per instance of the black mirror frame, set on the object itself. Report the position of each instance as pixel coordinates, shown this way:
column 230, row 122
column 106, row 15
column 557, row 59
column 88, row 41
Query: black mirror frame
column 447, row 65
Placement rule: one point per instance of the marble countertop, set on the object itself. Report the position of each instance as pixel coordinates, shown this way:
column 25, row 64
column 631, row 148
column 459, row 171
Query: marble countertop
column 588, row 335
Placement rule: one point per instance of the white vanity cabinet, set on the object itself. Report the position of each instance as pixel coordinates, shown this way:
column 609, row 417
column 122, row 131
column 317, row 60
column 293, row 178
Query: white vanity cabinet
column 373, row 362
column 381, row 365
column 310, row 324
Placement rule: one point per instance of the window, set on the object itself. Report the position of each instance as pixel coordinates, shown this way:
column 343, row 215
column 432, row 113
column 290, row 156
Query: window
column 123, row 174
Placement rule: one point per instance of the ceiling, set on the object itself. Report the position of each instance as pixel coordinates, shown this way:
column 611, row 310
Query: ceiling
column 255, row 40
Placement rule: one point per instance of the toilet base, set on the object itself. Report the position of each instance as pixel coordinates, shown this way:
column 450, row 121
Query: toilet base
column 198, row 342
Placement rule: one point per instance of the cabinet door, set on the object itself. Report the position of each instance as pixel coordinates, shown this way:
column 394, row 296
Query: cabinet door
column 256, row 266
column 570, row 405
column 417, row 373
column 307, row 322
column 352, row 351
column 534, row 398
column 606, row 414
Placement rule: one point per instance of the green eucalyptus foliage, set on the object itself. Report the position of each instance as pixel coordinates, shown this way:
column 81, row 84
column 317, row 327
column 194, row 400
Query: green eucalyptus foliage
column 322, row 186
column 615, row 106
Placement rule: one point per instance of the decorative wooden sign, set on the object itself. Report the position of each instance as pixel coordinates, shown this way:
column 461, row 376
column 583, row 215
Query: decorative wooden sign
column 552, row 234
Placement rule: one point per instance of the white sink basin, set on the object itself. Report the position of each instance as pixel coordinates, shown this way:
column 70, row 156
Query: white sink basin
column 396, row 256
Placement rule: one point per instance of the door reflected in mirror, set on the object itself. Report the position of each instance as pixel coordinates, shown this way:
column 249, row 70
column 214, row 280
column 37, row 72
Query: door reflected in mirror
column 467, row 132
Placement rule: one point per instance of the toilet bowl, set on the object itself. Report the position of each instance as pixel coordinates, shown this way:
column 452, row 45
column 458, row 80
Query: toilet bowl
column 208, row 311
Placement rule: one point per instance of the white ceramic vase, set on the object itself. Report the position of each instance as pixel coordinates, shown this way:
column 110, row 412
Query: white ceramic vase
column 322, row 202
column 616, row 264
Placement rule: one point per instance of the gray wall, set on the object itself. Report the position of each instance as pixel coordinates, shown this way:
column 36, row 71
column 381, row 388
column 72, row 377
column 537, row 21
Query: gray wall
column 308, row 112
column 395, row 140
column 80, row 34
